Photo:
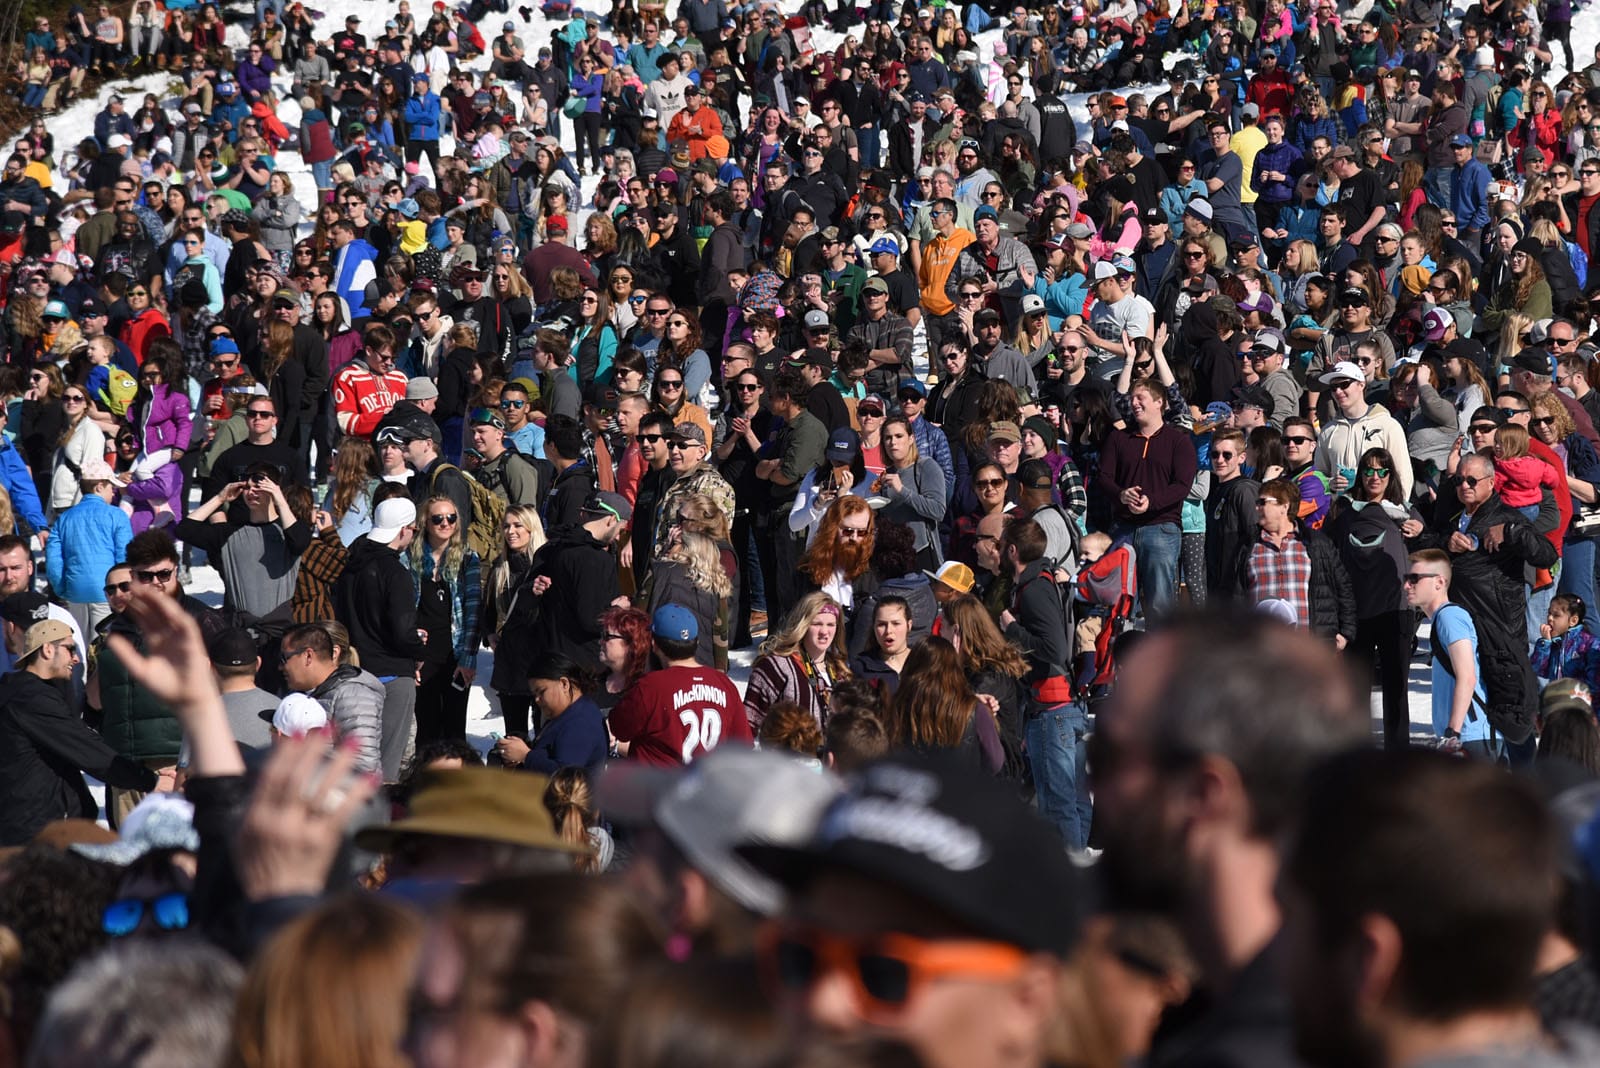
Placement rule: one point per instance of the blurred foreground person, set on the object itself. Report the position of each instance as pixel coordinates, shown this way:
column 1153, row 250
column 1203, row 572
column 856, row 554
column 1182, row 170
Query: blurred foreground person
column 932, row 906
column 1198, row 762
column 1400, row 856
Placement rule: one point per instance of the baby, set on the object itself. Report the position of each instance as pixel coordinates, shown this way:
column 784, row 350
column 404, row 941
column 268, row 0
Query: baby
column 1520, row 479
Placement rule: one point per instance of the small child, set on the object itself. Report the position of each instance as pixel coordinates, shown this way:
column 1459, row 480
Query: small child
column 1565, row 650
column 1520, row 479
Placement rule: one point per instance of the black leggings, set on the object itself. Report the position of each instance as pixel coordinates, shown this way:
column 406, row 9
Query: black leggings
column 587, row 127
column 1385, row 640
column 517, row 708
column 441, row 708
column 1559, row 32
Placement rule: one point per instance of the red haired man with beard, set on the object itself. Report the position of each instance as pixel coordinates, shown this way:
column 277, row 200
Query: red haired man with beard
column 840, row 557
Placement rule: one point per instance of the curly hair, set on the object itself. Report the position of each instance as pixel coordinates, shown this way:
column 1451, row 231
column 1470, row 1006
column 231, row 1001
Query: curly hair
column 788, row 728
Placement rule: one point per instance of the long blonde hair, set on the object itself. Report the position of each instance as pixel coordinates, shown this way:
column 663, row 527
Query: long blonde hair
column 701, row 559
column 528, row 516
column 455, row 551
column 787, row 638
column 572, row 808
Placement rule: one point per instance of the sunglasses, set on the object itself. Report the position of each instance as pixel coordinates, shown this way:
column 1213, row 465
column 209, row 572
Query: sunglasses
column 1411, row 578
column 1471, row 482
column 886, row 971
column 444, row 520
column 647, row 438
column 159, row 576
column 1374, row 472
column 1544, row 420
column 169, row 911
column 118, row 587
column 669, row 383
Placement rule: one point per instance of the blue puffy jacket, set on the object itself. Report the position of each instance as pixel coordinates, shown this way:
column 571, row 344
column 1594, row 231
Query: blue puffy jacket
column 422, row 117
column 1307, row 130
column 19, row 483
column 88, row 539
column 1280, row 158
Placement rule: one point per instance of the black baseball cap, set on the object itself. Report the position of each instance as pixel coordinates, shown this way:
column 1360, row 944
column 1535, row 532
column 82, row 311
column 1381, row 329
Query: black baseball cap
column 25, row 608
column 958, row 839
column 233, row 647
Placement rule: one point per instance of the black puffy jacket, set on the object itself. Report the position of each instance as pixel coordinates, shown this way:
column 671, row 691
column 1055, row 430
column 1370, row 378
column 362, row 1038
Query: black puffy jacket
column 1331, row 596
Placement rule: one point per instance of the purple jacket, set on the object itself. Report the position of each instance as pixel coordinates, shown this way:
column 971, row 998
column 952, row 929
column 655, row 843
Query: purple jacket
column 166, row 485
column 163, row 420
column 256, row 78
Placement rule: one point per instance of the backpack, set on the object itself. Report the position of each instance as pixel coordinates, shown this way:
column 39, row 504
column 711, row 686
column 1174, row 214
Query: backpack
column 1505, row 681
column 118, row 392
column 488, row 512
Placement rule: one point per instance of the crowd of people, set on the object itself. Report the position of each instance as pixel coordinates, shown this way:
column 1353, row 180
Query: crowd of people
column 1062, row 496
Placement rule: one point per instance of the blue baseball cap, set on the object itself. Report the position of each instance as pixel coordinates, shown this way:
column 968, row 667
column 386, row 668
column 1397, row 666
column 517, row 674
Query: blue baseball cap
column 885, row 244
column 224, row 346
column 675, row 623
column 1460, row 141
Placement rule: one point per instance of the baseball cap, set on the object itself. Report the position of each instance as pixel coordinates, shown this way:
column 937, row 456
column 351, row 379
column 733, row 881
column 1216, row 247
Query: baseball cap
column 913, row 386
column 57, row 309
column 1436, row 324
column 25, row 608
column 675, row 623
column 843, row 444
column 816, row 319
column 1535, row 361
column 686, row 432
column 875, row 285
column 1200, row 209
column 555, row 224
column 159, row 822
column 298, row 715
column 605, row 502
column 1154, row 214
column 1080, row 231
column 1252, row 397
column 420, row 389
column 885, row 245
column 286, row 295
column 735, row 796
column 1004, row 430
column 601, row 397
column 1563, row 693
column 1104, row 269
column 390, row 518
column 1032, row 304
column 1354, row 295
column 233, row 647
column 873, row 402
column 955, row 574
column 41, row 634
column 95, row 469
column 1257, row 302
column 1343, row 371
column 1460, row 141
column 952, row 836
column 1269, row 340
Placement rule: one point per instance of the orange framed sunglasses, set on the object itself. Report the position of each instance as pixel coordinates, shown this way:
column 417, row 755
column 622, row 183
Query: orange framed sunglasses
column 886, row 971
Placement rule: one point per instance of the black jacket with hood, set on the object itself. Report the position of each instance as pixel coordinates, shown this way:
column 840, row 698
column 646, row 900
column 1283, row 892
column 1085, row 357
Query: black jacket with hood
column 377, row 600
column 583, row 583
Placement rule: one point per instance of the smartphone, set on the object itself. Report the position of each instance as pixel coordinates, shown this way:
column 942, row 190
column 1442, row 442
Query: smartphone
column 459, row 682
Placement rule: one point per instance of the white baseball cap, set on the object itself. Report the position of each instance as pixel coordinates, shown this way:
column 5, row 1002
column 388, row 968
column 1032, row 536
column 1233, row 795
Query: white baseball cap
column 299, row 714
column 390, row 518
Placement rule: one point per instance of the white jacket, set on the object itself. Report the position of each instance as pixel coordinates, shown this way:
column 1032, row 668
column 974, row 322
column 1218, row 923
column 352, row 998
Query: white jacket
column 1342, row 441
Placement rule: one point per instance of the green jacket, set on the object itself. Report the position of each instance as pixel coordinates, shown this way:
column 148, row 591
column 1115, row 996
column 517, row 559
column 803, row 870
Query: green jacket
column 136, row 725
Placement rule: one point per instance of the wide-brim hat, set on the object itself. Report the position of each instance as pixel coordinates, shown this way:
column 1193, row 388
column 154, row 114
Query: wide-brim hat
column 476, row 804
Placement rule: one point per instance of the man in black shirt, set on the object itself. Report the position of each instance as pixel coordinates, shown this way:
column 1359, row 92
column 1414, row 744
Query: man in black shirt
column 1361, row 196
column 823, row 398
column 259, row 447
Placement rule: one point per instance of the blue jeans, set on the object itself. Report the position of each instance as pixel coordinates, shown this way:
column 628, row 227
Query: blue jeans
column 1539, row 603
column 1436, row 186
column 1577, row 574
column 1055, row 751
column 1156, row 547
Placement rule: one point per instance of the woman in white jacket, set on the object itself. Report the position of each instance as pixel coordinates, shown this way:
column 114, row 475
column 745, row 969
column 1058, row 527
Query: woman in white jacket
column 83, row 440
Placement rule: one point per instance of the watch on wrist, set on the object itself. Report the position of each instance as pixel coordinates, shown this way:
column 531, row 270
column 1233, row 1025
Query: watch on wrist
column 1452, row 733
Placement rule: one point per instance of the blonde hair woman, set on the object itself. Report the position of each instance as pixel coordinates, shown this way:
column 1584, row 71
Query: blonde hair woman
column 81, row 441
column 801, row 661
column 690, row 574
column 508, row 615
column 449, row 589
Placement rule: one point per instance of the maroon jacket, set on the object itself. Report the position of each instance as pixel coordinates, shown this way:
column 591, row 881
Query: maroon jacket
column 1162, row 465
